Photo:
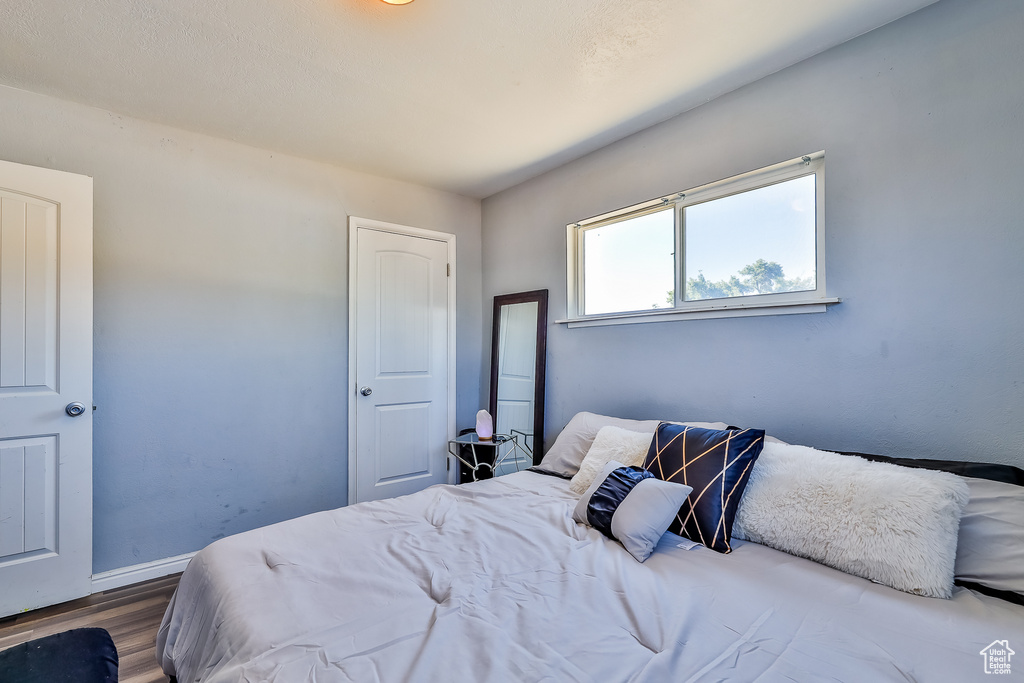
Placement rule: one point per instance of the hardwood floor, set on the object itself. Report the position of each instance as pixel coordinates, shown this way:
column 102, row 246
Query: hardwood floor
column 130, row 614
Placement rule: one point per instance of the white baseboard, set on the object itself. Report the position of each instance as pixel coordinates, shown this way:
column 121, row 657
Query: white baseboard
column 126, row 576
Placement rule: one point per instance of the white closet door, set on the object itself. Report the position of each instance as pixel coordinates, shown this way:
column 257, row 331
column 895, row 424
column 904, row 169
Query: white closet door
column 401, row 363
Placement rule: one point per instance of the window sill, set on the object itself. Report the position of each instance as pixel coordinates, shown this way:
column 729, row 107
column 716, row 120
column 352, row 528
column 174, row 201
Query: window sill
column 732, row 310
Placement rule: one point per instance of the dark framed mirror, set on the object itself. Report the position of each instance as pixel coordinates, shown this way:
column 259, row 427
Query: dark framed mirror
column 519, row 334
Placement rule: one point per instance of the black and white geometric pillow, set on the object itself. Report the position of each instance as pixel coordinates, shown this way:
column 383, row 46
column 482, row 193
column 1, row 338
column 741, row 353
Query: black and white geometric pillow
column 716, row 463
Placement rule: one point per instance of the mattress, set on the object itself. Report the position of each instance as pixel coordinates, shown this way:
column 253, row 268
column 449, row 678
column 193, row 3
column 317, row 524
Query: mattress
column 493, row 581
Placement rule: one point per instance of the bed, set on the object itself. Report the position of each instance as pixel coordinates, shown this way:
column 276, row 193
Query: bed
column 494, row 581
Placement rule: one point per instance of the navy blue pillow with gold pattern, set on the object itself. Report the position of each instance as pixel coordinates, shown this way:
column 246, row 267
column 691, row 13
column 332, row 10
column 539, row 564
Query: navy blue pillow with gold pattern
column 716, row 463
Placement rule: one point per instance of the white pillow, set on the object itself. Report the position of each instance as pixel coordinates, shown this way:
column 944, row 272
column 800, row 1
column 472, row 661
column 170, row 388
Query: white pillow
column 893, row 525
column 571, row 446
column 611, row 443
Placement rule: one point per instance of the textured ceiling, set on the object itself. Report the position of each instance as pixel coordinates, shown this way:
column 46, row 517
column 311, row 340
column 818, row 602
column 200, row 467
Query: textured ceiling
column 470, row 96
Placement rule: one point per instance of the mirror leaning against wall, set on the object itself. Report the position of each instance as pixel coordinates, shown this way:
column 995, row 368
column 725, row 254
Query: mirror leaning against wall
column 518, row 355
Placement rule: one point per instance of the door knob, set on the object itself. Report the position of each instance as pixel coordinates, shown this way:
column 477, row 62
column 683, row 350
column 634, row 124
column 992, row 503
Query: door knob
column 74, row 409
column 366, row 391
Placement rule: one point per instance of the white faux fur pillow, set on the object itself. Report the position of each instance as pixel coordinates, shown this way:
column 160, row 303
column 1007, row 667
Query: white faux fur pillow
column 893, row 525
column 611, row 443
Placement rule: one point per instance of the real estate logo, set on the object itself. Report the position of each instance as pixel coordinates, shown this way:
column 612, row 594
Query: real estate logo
column 997, row 657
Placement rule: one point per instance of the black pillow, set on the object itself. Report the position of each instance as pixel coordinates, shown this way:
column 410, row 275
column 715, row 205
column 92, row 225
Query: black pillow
column 716, row 463
column 979, row 470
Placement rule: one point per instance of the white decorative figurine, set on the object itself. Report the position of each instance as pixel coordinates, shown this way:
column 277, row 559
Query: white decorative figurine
column 484, row 426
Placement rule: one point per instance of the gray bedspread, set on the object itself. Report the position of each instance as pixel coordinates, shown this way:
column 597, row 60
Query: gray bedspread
column 493, row 581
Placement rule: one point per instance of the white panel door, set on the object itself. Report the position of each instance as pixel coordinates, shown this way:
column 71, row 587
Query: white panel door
column 400, row 359
column 45, row 367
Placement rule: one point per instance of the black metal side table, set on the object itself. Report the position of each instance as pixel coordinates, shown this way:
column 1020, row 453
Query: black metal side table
column 477, row 461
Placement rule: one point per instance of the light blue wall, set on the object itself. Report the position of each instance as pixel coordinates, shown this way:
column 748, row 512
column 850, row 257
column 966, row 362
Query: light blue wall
column 221, row 321
column 923, row 125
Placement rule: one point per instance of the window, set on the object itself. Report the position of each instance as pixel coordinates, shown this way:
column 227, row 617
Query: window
column 629, row 263
column 748, row 245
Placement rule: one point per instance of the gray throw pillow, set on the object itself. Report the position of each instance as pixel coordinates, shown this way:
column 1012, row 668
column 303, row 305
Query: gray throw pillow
column 990, row 549
column 631, row 506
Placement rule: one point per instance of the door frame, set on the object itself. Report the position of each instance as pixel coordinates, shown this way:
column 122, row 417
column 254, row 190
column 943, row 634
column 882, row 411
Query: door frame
column 354, row 225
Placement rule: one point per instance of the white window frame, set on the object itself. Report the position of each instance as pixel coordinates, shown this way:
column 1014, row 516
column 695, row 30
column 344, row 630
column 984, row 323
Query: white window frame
column 781, row 303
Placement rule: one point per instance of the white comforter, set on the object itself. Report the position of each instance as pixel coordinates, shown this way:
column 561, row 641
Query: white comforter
column 493, row 581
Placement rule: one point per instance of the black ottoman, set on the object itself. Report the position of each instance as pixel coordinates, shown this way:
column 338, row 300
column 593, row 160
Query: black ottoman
column 83, row 655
